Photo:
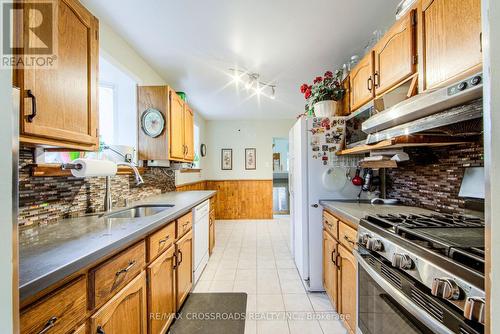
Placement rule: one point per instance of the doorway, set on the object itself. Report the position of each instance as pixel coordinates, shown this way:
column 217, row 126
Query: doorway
column 281, row 198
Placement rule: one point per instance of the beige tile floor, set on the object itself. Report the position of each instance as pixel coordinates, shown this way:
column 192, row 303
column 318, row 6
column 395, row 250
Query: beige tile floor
column 253, row 256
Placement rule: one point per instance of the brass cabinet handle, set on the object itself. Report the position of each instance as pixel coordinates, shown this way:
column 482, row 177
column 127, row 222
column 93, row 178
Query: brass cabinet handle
column 30, row 94
column 346, row 238
column 100, row 330
column 334, row 261
column 126, row 269
column 377, row 79
column 180, row 261
column 164, row 240
column 175, row 261
column 48, row 325
column 369, row 83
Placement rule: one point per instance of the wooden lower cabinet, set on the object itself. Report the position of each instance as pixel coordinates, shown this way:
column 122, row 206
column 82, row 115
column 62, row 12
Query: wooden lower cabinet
column 59, row 312
column 161, row 292
column 330, row 280
column 347, row 278
column 125, row 313
column 81, row 330
column 184, row 269
column 340, row 269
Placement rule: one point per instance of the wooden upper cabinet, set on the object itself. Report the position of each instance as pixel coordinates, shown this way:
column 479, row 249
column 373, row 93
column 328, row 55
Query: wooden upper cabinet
column 330, row 267
column 125, row 313
column 65, row 97
column 449, row 41
column 362, row 85
column 161, row 292
column 154, row 97
column 176, row 127
column 395, row 54
column 184, row 270
column 347, row 286
column 189, row 133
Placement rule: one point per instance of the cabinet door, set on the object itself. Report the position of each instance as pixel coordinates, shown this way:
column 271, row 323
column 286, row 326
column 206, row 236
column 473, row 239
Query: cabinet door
column 450, row 40
column 81, row 330
column 394, row 54
column 330, row 267
column 347, row 287
column 184, row 270
column 65, row 97
column 176, row 127
column 189, row 134
column 362, row 87
column 161, row 292
column 125, row 313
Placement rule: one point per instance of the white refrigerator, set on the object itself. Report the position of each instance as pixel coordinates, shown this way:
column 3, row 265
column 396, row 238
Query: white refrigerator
column 314, row 176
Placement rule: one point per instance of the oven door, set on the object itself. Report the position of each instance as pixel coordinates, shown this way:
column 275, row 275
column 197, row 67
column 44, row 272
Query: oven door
column 382, row 308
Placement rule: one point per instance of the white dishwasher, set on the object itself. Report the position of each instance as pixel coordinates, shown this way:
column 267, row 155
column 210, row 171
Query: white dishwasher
column 200, row 238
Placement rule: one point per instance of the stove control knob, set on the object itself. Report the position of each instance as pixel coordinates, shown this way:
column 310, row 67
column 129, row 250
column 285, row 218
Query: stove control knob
column 445, row 288
column 374, row 245
column 475, row 308
column 364, row 239
column 402, row 261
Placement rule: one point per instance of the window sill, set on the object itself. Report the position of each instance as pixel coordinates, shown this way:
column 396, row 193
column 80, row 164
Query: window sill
column 46, row 170
column 190, row 170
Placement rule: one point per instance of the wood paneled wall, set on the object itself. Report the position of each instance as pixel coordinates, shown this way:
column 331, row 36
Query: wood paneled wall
column 243, row 199
column 200, row 185
column 238, row 199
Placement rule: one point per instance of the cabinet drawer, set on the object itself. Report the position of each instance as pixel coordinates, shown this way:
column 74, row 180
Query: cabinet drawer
column 59, row 312
column 114, row 274
column 160, row 241
column 347, row 236
column 330, row 224
column 184, row 224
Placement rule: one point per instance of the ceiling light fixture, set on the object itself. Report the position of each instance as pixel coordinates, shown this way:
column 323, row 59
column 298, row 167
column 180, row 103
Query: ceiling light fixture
column 251, row 80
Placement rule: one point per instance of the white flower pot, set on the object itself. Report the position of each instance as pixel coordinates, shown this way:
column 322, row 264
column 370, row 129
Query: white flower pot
column 326, row 108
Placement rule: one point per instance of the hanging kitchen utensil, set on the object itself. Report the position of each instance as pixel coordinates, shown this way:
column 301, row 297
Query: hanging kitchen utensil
column 357, row 180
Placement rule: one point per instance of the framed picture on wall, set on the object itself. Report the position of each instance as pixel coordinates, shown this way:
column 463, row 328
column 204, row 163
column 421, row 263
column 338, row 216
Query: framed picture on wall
column 250, row 158
column 227, row 159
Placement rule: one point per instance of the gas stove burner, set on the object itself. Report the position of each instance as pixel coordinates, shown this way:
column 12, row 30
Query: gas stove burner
column 458, row 237
column 438, row 220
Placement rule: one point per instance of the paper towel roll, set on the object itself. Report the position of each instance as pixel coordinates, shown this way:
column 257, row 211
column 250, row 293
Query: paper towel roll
column 94, row 167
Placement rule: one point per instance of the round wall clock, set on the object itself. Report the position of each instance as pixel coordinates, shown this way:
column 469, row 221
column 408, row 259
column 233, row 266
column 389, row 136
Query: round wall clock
column 152, row 122
column 203, row 150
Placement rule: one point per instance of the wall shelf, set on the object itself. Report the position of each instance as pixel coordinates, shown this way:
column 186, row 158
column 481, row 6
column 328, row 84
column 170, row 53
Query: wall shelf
column 406, row 141
column 54, row 170
column 379, row 164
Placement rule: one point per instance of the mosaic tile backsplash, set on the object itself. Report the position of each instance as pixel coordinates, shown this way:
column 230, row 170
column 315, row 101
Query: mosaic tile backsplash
column 433, row 176
column 47, row 199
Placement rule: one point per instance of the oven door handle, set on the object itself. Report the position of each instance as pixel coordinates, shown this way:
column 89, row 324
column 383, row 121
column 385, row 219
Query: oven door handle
column 403, row 301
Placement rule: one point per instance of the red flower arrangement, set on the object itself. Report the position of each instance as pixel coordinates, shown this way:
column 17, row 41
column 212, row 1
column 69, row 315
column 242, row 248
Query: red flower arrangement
column 323, row 88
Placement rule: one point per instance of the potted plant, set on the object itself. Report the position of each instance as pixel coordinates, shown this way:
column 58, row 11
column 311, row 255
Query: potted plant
column 322, row 96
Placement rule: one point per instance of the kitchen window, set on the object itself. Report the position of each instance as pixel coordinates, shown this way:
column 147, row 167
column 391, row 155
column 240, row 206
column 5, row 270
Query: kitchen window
column 117, row 117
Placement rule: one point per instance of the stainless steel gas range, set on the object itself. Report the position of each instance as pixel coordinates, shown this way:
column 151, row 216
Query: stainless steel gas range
column 421, row 274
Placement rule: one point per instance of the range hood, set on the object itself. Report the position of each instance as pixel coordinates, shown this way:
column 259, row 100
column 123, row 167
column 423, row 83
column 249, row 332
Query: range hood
column 425, row 111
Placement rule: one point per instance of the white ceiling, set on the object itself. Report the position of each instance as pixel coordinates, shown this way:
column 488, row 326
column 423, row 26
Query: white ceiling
column 193, row 43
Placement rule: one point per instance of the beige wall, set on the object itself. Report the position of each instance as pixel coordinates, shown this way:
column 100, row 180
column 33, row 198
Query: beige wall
column 121, row 54
column 239, row 135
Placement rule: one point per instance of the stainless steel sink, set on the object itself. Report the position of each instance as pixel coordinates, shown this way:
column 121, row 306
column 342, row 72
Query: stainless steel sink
column 139, row 211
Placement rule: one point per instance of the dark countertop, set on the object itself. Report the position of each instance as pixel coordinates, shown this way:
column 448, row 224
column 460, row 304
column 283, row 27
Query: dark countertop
column 353, row 211
column 48, row 254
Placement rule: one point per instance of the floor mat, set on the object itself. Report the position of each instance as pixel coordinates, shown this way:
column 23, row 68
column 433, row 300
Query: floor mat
column 211, row 313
